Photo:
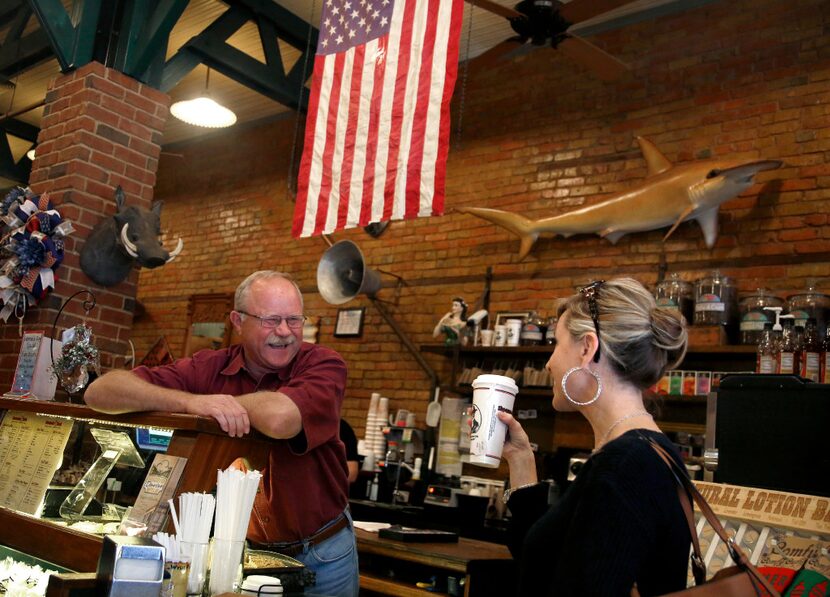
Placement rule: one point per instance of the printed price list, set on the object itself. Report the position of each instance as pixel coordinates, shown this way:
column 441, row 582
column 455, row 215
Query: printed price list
column 31, row 450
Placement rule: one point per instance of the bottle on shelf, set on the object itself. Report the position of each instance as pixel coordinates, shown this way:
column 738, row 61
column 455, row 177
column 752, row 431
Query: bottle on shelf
column 788, row 353
column 769, row 348
column 767, row 359
column 825, row 348
column 533, row 331
column 811, row 352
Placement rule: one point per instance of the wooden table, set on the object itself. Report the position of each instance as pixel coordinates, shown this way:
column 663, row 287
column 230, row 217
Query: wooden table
column 488, row 568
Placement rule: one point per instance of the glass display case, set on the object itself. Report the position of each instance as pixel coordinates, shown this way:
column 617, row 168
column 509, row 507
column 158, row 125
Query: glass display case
column 71, row 474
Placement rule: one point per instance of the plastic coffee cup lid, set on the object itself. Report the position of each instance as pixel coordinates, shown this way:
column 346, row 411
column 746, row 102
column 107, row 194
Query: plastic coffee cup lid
column 483, row 381
column 265, row 585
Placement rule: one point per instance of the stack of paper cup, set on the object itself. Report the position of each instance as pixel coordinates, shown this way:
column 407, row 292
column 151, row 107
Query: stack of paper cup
column 372, row 428
column 491, row 394
column 381, row 422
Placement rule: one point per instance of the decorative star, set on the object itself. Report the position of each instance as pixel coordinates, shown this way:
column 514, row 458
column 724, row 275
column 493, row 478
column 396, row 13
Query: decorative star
column 324, row 43
column 351, row 33
column 361, row 22
column 332, row 30
column 383, row 21
column 339, row 39
column 376, row 14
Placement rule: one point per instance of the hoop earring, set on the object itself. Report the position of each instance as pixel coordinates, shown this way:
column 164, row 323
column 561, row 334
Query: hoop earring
column 565, row 387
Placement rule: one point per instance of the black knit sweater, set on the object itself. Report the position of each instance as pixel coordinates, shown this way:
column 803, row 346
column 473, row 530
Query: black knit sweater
column 619, row 522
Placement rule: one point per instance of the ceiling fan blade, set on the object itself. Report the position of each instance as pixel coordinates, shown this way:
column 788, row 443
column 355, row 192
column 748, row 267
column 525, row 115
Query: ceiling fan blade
column 577, row 11
column 600, row 62
column 497, row 52
column 498, row 9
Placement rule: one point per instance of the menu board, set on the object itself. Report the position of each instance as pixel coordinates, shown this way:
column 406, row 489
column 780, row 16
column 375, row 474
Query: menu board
column 31, row 450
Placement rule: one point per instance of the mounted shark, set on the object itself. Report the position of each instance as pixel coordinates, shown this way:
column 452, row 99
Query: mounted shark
column 669, row 195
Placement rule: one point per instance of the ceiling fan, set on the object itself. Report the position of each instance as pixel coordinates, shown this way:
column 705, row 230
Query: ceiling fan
column 546, row 22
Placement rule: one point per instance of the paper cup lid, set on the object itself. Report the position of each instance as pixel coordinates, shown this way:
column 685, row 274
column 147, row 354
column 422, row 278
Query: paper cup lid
column 483, row 381
column 266, row 585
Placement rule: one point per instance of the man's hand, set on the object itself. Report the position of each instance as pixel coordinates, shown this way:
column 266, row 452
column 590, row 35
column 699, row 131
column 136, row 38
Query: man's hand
column 228, row 412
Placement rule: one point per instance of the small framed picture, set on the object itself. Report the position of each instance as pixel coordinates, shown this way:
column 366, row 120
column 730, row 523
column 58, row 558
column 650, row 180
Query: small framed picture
column 503, row 316
column 349, row 323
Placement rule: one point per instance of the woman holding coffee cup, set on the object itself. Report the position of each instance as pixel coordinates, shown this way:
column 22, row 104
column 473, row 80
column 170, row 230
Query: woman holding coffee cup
column 620, row 521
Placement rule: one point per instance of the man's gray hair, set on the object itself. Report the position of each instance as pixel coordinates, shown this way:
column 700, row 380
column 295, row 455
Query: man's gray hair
column 240, row 298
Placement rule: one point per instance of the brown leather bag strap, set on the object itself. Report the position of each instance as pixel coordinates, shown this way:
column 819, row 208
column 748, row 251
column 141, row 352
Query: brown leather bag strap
column 698, row 565
column 735, row 552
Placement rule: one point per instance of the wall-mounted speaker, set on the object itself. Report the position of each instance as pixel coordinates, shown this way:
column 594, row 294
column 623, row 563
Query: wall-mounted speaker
column 342, row 274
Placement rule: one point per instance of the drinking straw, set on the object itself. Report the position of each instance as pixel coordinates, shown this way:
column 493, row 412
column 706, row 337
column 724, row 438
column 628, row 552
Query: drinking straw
column 175, row 518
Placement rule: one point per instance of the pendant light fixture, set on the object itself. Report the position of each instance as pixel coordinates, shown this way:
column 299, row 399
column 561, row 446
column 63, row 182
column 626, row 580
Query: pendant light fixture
column 203, row 111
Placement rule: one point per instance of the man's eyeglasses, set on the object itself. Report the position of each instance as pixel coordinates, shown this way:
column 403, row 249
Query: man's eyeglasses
column 590, row 293
column 292, row 321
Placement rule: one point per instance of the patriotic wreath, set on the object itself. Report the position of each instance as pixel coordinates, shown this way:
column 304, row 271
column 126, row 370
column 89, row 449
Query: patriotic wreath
column 31, row 249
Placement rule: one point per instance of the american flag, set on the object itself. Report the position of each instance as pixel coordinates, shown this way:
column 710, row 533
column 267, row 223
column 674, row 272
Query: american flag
column 378, row 120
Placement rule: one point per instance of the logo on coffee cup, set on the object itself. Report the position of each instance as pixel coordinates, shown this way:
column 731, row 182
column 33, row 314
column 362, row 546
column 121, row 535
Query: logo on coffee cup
column 476, row 423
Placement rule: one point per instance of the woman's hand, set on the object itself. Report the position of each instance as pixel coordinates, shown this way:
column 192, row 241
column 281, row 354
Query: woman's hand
column 517, row 452
column 517, row 440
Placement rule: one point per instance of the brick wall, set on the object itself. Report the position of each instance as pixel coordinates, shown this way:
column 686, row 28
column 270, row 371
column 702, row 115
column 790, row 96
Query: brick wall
column 100, row 129
column 540, row 137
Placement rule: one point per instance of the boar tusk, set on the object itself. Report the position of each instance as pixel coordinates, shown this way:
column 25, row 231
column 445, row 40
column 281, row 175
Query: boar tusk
column 176, row 251
column 130, row 247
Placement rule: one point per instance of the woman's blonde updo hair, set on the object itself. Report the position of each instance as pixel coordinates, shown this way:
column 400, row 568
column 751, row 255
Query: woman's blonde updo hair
column 640, row 340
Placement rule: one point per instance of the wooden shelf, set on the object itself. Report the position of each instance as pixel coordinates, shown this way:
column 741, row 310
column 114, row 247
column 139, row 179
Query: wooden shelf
column 726, row 350
column 385, row 586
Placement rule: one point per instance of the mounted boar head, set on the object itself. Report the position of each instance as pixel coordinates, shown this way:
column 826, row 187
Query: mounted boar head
column 128, row 238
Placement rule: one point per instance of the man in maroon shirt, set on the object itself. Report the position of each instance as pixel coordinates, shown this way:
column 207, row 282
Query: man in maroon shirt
column 286, row 389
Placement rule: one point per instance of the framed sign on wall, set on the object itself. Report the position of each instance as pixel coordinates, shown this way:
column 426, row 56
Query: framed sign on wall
column 349, row 323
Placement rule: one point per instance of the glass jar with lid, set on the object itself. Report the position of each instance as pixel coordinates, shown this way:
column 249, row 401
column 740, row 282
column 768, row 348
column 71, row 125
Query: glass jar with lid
column 810, row 304
column 716, row 303
column 753, row 315
column 676, row 293
column 550, row 332
column 533, row 331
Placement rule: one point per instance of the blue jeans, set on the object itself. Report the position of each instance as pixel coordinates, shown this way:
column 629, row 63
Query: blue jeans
column 335, row 562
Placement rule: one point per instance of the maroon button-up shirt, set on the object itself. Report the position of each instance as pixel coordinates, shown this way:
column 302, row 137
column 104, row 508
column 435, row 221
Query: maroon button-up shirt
column 305, row 484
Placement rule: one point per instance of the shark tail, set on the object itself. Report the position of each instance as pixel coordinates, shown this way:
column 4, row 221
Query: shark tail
column 518, row 225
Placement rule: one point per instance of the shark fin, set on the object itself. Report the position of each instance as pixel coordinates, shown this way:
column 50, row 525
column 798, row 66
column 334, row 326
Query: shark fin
column 612, row 235
column 679, row 221
column 655, row 160
column 708, row 221
column 518, row 225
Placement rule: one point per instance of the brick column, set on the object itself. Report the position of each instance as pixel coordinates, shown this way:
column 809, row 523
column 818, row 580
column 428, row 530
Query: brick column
column 100, row 129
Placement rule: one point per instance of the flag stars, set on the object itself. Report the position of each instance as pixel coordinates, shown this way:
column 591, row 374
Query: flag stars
column 332, row 30
column 335, row 10
column 362, row 22
column 376, row 14
column 351, row 33
column 339, row 39
column 383, row 21
column 347, row 5
column 355, row 14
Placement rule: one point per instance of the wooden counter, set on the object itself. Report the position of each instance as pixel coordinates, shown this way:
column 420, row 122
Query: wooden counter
column 385, row 564
column 199, row 439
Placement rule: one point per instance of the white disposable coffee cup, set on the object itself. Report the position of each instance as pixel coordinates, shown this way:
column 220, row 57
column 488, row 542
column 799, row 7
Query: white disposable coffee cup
column 491, row 394
column 500, row 337
column 514, row 330
column 487, row 337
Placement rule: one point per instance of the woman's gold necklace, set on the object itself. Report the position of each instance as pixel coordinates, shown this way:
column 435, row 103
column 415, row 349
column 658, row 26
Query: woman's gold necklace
column 638, row 413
